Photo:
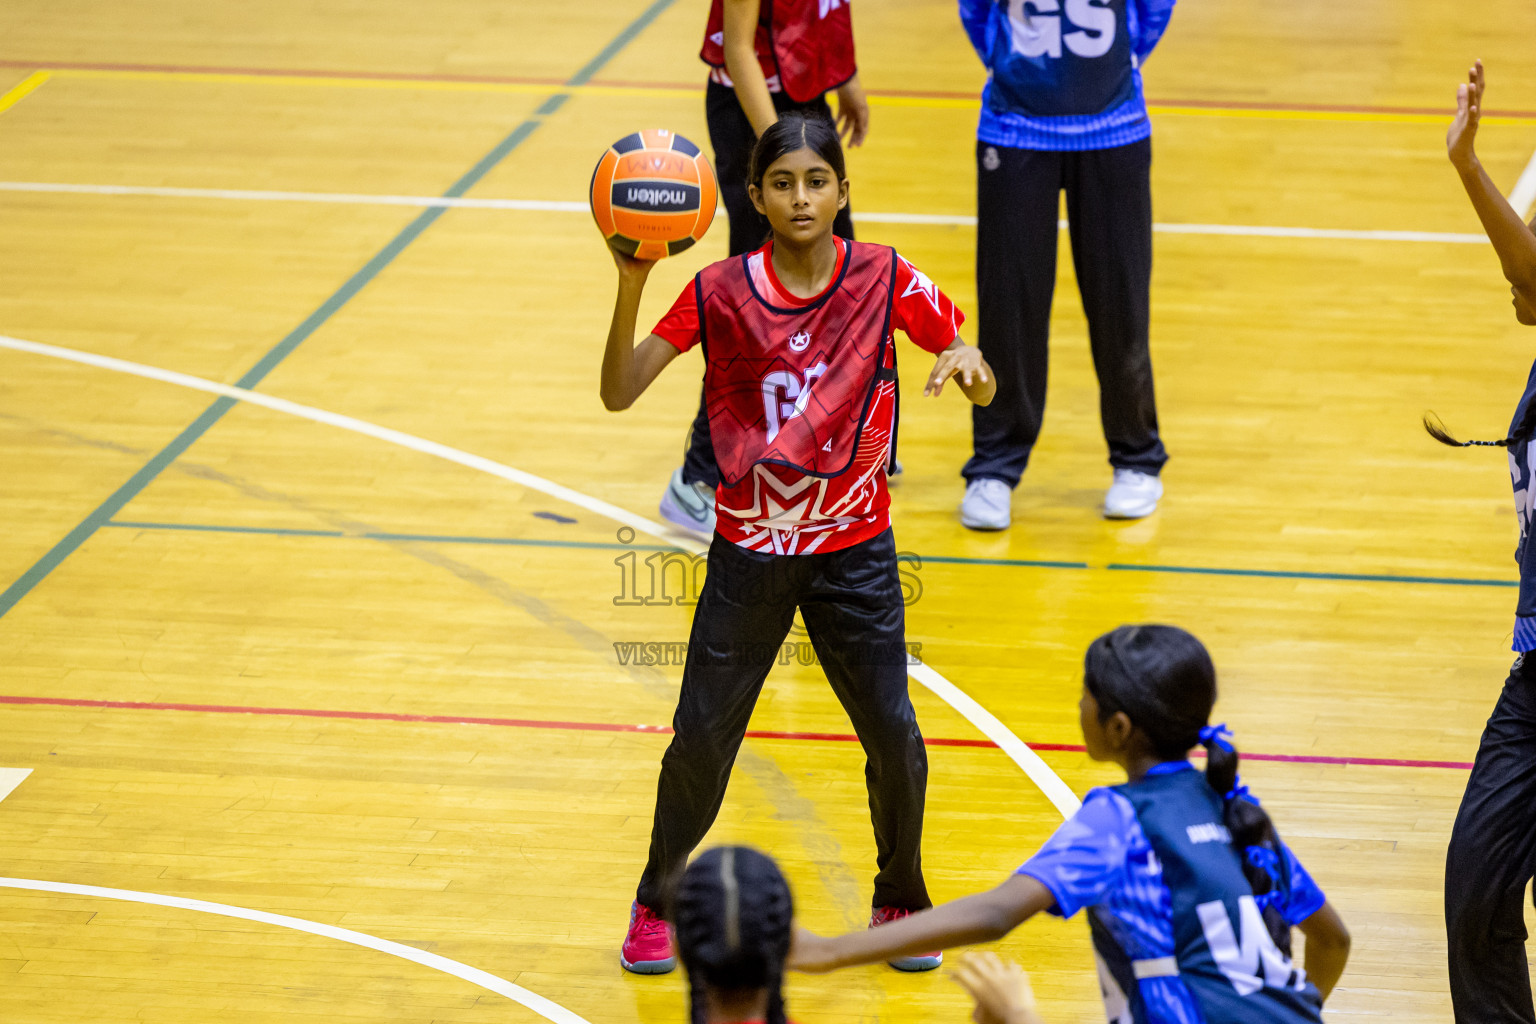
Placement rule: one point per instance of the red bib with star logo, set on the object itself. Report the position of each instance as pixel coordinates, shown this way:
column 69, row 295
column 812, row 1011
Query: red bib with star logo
column 792, row 387
column 806, row 44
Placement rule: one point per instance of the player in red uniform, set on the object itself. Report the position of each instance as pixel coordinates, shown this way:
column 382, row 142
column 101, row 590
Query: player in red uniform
column 799, row 381
column 766, row 58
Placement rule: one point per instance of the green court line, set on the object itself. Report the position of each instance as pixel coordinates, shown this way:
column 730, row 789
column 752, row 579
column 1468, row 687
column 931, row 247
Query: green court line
column 215, row 412
column 426, row 538
column 1027, row 563
column 1006, row 563
column 1287, row 574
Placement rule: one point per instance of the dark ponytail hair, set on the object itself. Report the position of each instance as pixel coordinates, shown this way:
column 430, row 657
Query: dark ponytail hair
column 1523, row 430
column 1164, row 681
column 794, row 131
column 733, row 913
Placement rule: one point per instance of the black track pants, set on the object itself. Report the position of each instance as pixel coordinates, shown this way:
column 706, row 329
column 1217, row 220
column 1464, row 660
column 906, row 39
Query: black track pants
column 1109, row 213
column 1492, row 856
column 851, row 601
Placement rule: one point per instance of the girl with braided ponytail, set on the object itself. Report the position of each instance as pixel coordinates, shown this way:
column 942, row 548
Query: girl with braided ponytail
column 1190, row 893
column 1492, row 852
column 733, row 915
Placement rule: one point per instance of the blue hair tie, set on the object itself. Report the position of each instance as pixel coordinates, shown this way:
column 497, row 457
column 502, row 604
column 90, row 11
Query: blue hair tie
column 1266, row 860
column 1216, row 735
column 1240, row 792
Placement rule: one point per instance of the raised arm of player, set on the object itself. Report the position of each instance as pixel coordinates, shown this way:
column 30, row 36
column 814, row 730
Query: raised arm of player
column 628, row 369
column 970, row 370
column 740, row 46
column 1512, row 239
column 984, row 917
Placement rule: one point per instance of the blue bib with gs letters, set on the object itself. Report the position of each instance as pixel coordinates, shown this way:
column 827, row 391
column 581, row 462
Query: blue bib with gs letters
column 1062, row 58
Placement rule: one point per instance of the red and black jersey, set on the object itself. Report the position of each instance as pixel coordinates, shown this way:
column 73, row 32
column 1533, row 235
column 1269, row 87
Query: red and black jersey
column 801, row 393
column 805, row 46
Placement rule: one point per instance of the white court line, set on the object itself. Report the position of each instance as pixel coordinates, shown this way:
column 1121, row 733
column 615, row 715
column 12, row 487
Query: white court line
column 1038, row 771
column 259, row 195
column 561, row 206
column 10, row 778
column 1523, row 196
column 545, row 1008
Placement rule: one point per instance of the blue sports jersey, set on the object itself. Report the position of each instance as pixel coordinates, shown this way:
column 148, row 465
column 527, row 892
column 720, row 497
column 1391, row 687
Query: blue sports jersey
column 1520, row 471
column 1064, row 74
column 1178, row 934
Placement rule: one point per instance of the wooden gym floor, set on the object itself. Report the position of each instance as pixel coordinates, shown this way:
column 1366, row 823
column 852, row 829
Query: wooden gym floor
column 240, row 642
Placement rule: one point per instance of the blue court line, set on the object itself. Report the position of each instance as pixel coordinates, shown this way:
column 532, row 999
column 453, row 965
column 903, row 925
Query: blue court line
column 432, row 538
column 215, row 412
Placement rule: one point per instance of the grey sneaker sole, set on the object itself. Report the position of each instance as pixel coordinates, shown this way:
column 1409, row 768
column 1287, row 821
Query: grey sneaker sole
column 1134, row 512
column 913, row 964
column 675, row 514
column 648, row 966
column 969, row 522
column 989, row 526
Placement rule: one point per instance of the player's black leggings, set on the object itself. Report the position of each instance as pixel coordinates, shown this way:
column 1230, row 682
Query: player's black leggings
column 733, row 138
column 851, row 601
column 1109, row 212
column 1492, row 856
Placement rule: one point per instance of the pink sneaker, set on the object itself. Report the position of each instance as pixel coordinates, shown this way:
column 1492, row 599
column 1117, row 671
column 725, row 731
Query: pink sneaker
column 648, row 946
column 921, row 962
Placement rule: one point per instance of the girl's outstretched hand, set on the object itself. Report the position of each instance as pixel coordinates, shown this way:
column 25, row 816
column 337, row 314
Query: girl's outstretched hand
column 808, row 952
column 1462, row 135
column 1000, row 988
column 963, row 361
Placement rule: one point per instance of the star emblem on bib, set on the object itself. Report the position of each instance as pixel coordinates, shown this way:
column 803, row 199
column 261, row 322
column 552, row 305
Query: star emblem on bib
column 800, row 340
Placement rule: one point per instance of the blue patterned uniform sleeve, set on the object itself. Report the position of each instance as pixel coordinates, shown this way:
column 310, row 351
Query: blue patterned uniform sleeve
column 1305, row 897
column 1525, row 609
column 1146, row 20
column 977, row 17
column 1086, row 858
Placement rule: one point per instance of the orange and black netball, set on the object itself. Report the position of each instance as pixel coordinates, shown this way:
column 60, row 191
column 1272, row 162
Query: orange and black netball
column 653, row 194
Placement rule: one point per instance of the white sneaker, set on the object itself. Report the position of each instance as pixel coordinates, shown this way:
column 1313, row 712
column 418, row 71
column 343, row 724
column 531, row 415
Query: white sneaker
column 986, row 504
column 691, row 506
column 1132, row 495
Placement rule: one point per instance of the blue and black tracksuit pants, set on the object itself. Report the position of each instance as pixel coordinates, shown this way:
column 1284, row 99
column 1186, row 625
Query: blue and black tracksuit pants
column 1109, row 213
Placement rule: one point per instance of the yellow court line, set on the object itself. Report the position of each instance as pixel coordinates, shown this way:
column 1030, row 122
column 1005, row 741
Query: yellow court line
column 23, row 89
column 668, row 91
column 1357, row 116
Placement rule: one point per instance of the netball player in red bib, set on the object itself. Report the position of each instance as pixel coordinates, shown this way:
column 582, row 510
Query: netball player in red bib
column 766, row 58
column 800, row 387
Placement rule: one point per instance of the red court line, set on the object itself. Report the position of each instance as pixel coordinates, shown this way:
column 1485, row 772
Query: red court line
column 698, row 84
column 536, row 723
column 208, row 69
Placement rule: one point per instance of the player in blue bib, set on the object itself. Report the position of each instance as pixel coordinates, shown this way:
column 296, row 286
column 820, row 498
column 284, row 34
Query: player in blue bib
column 1190, row 894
